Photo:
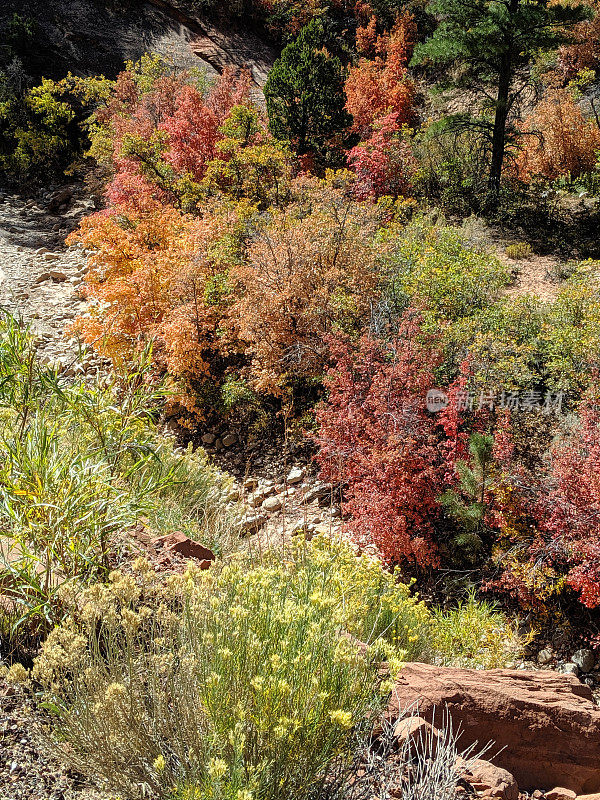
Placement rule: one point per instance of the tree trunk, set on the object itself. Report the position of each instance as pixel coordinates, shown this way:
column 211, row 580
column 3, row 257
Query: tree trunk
column 499, row 135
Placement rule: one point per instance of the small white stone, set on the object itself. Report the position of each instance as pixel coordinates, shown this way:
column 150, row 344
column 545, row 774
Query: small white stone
column 295, row 476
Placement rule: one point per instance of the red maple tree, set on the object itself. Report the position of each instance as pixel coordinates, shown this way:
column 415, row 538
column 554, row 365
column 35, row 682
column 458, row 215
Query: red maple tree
column 377, row 437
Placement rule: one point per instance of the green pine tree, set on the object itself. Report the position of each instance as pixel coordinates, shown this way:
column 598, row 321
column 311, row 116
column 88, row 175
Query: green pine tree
column 305, row 92
column 467, row 503
column 492, row 43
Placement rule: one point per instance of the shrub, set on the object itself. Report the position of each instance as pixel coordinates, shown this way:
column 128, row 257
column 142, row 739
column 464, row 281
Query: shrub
column 384, row 164
column 432, row 266
column 238, row 685
column 561, row 141
column 159, row 274
column 452, row 166
column 39, row 132
column 376, row 437
column 248, row 679
column 569, row 336
column 561, row 270
column 518, row 250
column 475, row 634
column 572, row 509
column 155, row 133
column 502, row 343
column 467, row 503
column 309, row 271
column 427, row 765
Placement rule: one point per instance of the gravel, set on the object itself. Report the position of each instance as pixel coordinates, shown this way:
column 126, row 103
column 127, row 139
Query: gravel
column 29, row 770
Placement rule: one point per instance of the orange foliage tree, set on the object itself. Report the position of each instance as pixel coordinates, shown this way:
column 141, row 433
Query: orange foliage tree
column 380, row 86
column 308, row 272
column 155, row 273
column 559, row 139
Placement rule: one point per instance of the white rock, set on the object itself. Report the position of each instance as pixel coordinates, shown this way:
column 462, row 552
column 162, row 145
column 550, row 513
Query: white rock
column 295, row 476
column 569, row 669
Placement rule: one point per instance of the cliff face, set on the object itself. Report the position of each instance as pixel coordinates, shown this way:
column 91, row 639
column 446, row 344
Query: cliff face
column 97, row 36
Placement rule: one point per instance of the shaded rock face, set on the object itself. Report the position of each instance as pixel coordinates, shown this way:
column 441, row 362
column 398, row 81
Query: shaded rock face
column 97, row 36
column 548, row 724
column 90, row 37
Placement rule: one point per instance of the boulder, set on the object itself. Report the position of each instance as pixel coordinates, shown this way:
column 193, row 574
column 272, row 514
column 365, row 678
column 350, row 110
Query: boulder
column 545, row 725
column 416, row 731
column 490, row 780
column 569, row 669
column 585, row 659
column 295, row 476
column 272, row 504
column 60, row 199
column 253, row 522
column 317, row 492
column 255, row 500
column 559, row 793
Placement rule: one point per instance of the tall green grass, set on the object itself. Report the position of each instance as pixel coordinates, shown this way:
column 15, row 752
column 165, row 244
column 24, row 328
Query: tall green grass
column 80, row 463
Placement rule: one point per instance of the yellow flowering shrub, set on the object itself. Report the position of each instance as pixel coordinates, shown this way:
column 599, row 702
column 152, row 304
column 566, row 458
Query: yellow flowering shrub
column 251, row 679
column 231, row 683
column 476, row 635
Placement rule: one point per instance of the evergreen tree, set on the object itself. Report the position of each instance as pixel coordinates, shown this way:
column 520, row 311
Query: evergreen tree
column 493, row 41
column 305, row 92
column 467, row 503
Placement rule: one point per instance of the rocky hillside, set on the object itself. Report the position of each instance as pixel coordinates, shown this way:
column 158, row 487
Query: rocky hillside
column 97, row 36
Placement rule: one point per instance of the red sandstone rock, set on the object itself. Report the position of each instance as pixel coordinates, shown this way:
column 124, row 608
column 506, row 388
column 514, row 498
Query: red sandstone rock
column 558, row 793
column 547, row 723
column 493, row 781
column 416, row 731
column 181, row 544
